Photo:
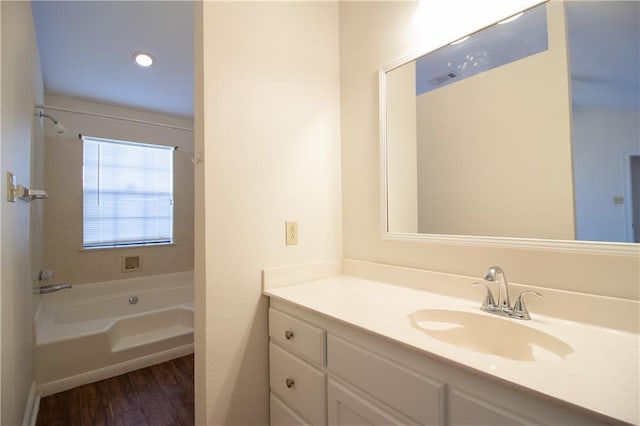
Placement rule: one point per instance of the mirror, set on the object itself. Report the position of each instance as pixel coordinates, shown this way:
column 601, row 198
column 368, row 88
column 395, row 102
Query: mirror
column 526, row 132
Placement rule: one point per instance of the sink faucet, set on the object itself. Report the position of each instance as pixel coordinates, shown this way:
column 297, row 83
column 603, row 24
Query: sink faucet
column 496, row 273
column 503, row 307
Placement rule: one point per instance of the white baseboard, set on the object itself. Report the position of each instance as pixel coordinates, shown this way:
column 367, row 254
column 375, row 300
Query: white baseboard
column 67, row 383
column 32, row 406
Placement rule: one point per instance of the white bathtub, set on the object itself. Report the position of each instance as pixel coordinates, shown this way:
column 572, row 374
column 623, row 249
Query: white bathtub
column 92, row 331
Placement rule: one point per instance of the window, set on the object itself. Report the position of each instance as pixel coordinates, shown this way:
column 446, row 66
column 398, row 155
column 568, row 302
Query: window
column 127, row 193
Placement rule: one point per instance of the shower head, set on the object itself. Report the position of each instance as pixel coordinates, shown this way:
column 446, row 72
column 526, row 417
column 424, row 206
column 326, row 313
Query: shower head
column 59, row 128
column 56, row 124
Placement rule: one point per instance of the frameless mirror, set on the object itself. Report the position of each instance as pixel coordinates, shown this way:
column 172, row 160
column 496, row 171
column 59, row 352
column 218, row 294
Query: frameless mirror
column 526, row 130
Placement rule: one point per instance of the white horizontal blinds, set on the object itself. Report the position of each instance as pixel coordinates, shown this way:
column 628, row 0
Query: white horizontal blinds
column 128, row 193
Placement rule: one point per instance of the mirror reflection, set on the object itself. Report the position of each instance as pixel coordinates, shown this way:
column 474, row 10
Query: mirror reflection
column 526, row 129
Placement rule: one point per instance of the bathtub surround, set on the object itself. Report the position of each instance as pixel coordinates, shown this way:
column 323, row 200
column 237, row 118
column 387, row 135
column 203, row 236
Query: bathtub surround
column 63, row 213
column 22, row 86
column 100, row 330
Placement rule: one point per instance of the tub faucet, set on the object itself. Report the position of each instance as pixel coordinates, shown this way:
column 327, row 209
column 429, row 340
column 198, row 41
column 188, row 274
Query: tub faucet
column 51, row 288
column 503, row 307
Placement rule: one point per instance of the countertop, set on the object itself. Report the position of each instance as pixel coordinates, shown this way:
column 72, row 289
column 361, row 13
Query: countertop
column 601, row 374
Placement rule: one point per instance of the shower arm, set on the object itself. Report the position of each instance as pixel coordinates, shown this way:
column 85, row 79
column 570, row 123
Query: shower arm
column 56, row 124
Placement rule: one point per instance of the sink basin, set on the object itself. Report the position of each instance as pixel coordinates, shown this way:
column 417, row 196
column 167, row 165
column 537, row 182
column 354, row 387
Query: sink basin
column 486, row 333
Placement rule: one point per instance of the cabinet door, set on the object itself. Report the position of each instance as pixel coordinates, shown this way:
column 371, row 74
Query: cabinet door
column 347, row 408
column 281, row 415
column 407, row 391
column 467, row 409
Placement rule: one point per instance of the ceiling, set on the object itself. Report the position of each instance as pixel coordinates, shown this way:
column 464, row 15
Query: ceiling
column 86, row 50
column 604, row 51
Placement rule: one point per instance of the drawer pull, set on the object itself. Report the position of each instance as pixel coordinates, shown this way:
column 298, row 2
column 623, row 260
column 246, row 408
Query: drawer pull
column 289, row 382
column 288, row 334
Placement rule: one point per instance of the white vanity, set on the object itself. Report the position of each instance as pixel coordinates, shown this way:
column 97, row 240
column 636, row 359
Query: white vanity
column 345, row 350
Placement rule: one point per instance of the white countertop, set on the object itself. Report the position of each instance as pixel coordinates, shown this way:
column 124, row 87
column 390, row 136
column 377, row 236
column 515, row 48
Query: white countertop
column 602, row 374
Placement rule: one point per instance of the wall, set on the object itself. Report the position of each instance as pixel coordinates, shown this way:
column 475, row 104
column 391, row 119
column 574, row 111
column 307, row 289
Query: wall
column 270, row 139
column 373, row 34
column 402, row 174
column 1, row 126
column 63, row 213
column 37, row 208
column 21, row 87
column 518, row 182
column 601, row 139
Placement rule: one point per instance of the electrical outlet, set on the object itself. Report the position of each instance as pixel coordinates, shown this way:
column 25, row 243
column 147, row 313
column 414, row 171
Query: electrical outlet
column 618, row 199
column 291, row 233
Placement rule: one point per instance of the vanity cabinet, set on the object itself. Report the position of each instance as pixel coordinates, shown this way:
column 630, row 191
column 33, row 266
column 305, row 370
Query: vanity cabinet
column 297, row 378
column 411, row 393
column 328, row 372
column 347, row 407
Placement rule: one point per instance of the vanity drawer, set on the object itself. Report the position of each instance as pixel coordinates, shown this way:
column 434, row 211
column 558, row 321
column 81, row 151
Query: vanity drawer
column 298, row 335
column 297, row 383
column 407, row 391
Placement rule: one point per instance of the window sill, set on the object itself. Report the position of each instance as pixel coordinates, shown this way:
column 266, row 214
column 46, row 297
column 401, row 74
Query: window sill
column 132, row 247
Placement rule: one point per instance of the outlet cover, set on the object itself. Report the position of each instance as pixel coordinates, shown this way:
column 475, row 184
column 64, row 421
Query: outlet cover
column 291, row 233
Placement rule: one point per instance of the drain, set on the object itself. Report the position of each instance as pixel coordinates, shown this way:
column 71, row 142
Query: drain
column 133, row 300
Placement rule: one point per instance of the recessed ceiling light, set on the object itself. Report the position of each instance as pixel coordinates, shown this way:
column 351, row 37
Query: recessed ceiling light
column 511, row 19
column 143, row 59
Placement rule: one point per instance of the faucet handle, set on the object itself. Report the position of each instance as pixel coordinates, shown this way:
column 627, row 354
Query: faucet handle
column 489, row 303
column 520, row 309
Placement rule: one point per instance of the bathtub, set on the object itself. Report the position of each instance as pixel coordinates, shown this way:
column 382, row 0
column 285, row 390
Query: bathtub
column 93, row 331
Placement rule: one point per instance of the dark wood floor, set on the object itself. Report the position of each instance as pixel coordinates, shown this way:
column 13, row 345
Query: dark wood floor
column 158, row 395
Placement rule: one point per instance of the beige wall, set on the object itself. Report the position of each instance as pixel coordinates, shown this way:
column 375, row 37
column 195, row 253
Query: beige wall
column 200, row 288
column 37, row 208
column 402, row 170
column 271, row 146
column 1, row 125
column 494, row 150
column 63, row 176
column 602, row 138
column 373, row 34
column 21, row 87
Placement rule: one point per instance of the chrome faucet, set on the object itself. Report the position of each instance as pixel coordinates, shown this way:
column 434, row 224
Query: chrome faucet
column 496, row 273
column 51, row 288
column 503, row 307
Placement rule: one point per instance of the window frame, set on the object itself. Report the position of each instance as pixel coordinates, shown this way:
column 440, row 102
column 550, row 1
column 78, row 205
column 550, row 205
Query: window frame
column 167, row 238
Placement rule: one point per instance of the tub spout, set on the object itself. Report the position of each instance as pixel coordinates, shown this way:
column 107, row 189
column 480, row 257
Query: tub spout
column 51, row 288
